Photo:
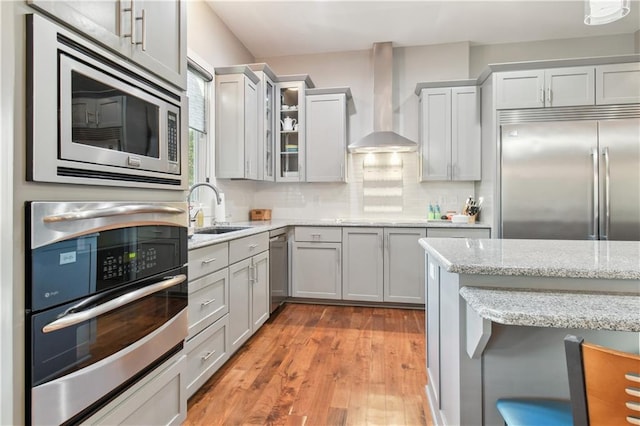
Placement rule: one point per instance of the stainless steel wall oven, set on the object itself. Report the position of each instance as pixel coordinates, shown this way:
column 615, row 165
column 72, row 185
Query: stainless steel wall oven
column 96, row 119
column 106, row 301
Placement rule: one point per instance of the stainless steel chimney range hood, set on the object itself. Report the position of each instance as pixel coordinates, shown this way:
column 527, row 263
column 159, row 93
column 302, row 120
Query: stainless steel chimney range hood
column 383, row 138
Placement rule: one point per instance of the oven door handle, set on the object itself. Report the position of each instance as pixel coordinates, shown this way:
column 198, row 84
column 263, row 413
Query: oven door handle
column 112, row 211
column 67, row 320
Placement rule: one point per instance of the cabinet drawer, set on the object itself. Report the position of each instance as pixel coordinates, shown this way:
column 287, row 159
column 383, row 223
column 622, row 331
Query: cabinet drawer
column 208, row 300
column 458, row 233
column 318, row 234
column 248, row 246
column 208, row 259
column 206, row 353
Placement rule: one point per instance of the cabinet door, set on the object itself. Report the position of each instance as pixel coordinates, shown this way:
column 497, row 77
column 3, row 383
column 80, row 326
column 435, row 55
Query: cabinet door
column 239, row 303
column 259, row 290
column 326, row 137
column 362, row 264
column 618, row 84
column 290, row 133
column 435, row 135
column 206, row 353
column 266, row 122
column 404, row 265
column 230, row 128
column 520, row 89
column 316, row 271
column 98, row 19
column 160, row 37
column 466, row 144
column 251, row 129
column 569, row 86
column 208, row 300
column 159, row 398
column 157, row 43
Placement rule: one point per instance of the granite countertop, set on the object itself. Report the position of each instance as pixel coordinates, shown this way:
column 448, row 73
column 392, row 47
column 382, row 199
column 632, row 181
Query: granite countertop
column 256, row 227
column 537, row 258
column 560, row 309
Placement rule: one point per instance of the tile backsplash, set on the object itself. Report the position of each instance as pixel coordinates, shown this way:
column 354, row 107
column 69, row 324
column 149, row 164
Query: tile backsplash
column 405, row 199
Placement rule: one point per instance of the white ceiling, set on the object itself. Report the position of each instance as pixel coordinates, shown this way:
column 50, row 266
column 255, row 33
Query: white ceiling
column 279, row 28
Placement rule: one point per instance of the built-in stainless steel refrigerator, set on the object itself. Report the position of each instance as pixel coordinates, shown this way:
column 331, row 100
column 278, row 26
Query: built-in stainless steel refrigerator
column 573, row 180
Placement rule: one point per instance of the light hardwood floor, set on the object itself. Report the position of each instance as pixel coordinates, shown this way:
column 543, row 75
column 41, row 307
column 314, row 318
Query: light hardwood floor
column 322, row 365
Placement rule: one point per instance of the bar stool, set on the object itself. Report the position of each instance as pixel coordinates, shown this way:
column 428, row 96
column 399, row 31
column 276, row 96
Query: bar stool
column 604, row 385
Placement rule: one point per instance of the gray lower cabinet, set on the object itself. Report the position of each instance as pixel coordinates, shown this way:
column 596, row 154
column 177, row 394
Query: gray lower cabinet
column 316, row 260
column 158, row 399
column 316, row 271
column 207, row 344
column 206, row 353
column 248, row 297
column 362, row 265
column 403, row 265
column 383, row 265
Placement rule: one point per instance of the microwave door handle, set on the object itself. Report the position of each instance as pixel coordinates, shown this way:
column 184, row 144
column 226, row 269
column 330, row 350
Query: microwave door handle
column 78, row 317
column 112, row 211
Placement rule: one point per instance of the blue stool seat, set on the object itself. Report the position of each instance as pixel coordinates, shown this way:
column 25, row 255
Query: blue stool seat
column 535, row 412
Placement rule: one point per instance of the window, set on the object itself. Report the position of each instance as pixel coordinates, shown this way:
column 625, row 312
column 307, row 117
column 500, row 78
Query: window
column 198, row 89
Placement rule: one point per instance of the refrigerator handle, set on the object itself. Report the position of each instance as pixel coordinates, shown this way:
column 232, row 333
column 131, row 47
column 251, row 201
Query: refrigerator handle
column 607, row 196
column 594, row 211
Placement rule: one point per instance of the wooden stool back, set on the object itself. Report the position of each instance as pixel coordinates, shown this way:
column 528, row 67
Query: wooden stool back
column 612, row 385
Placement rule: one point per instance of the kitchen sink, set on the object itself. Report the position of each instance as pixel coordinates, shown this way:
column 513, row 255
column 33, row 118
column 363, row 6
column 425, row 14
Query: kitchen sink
column 220, row 229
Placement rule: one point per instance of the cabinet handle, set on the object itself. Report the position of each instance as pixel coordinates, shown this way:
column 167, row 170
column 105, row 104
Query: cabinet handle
column 252, row 246
column 132, row 31
column 548, row 96
column 207, row 261
column 252, row 274
column 207, row 302
column 144, row 30
column 208, row 355
column 541, row 98
column 607, row 195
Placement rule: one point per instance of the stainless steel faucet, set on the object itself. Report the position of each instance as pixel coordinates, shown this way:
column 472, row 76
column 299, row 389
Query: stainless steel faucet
column 197, row 185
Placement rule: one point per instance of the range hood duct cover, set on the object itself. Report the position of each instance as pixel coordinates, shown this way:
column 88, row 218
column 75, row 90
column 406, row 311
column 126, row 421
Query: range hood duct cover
column 383, row 138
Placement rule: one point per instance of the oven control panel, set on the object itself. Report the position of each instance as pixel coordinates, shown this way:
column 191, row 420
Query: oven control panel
column 123, row 265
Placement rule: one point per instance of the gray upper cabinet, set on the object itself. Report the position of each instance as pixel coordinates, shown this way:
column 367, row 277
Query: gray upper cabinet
column 326, row 135
column 450, row 134
column 290, row 127
column 618, row 84
column 553, row 87
column 150, row 33
column 266, row 121
column 236, row 142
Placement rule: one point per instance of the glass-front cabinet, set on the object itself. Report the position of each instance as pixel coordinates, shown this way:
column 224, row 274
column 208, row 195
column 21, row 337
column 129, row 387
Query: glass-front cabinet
column 266, row 121
column 290, row 125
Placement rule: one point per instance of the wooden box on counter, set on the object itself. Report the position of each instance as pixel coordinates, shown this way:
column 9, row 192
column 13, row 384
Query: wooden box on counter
column 260, row 214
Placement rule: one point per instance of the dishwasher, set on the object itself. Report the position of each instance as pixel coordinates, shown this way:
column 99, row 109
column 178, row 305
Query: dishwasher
column 278, row 267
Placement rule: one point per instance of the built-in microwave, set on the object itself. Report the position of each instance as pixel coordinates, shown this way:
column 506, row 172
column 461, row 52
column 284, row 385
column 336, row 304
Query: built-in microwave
column 96, row 119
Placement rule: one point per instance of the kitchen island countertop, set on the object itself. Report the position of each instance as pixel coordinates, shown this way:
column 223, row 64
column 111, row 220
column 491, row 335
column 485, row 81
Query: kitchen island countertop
column 537, row 258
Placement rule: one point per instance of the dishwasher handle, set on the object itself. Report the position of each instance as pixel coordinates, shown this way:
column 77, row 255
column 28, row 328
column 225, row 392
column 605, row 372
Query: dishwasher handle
column 278, row 239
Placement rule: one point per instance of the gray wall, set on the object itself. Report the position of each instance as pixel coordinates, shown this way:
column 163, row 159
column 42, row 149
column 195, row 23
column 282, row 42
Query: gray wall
column 481, row 56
